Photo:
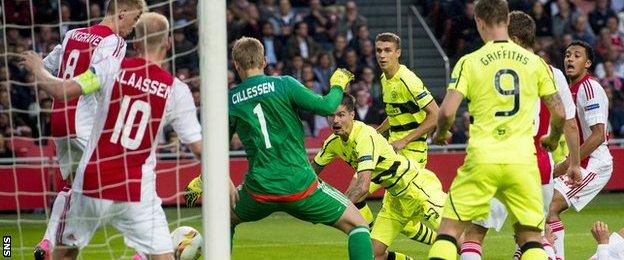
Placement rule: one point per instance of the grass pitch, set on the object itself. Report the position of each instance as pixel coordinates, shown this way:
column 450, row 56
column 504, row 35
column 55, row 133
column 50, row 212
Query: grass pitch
column 283, row 237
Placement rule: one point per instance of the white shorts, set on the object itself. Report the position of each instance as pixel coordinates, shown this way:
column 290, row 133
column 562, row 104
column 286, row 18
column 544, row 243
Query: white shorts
column 68, row 154
column 594, row 177
column 143, row 224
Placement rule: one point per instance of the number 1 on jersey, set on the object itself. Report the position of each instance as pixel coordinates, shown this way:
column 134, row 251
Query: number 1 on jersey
column 265, row 132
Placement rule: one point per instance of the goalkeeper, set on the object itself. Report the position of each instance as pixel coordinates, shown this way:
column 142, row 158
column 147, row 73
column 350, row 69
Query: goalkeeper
column 263, row 111
column 413, row 194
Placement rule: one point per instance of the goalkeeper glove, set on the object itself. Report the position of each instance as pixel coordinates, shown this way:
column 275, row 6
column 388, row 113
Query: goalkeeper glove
column 193, row 191
column 341, row 78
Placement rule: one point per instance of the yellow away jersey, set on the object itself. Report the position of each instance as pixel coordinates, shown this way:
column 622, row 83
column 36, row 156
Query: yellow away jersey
column 502, row 82
column 405, row 96
column 368, row 150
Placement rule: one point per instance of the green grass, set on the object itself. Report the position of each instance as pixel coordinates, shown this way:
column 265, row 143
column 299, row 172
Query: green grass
column 283, row 237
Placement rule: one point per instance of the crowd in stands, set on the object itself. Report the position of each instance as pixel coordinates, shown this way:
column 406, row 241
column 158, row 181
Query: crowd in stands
column 558, row 23
column 306, row 39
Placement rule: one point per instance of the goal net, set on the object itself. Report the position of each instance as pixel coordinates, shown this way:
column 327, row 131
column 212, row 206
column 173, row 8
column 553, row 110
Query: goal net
column 29, row 173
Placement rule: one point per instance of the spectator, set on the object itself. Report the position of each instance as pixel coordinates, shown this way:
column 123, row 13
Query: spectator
column 363, row 35
column 185, row 52
column 251, row 26
column 273, row 48
column 543, row 21
column 95, row 13
column 598, row 18
column 41, row 125
column 611, row 79
column 616, row 114
column 618, row 64
column 66, row 14
column 365, row 111
column 44, row 38
column 234, row 27
column 351, row 61
column 340, row 47
column 319, row 25
column 173, row 145
column 308, row 79
column 324, row 68
column 562, row 21
column 580, row 30
column 302, row 44
column 604, row 44
column 238, row 8
column 462, row 129
column 368, row 58
column 5, row 124
column 350, row 20
column 295, row 68
column 617, row 38
column 369, row 82
column 286, row 19
column 463, row 35
column 268, row 11
column 18, row 12
column 5, row 151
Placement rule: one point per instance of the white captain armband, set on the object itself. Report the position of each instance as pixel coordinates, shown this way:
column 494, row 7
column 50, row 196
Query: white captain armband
column 88, row 81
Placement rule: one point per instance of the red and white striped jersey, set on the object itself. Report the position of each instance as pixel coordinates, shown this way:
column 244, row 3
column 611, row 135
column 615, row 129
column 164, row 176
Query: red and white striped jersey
column 592, row 107
column 134, row 104
column 542, row 123
column 80, row 48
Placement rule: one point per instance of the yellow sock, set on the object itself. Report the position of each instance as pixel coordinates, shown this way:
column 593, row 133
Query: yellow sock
column 533, row 250
column 444, row 248
column 366, row 212
column 419, row 232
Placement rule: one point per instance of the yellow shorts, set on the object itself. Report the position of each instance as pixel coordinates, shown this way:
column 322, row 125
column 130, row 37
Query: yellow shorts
column 515, row 185
column 421, row 202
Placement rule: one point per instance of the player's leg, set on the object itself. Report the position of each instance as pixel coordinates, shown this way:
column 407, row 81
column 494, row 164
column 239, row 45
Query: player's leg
column 144, row 226
column 523, row 197
column 247, row 210
column 78, row 224
column 468, row 199
column 390, row 221
column 329, row 206
column 473, row 239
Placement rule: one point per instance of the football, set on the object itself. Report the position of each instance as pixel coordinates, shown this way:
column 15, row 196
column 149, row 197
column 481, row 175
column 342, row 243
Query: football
column 187, row 243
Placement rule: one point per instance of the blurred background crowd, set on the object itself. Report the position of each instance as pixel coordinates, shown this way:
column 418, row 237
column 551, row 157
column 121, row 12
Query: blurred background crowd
column 306, row 39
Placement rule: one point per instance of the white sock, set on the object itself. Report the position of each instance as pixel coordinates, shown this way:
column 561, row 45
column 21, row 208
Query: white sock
column 470, row 250
column 518, row 254
column 559, row 232
column 58, row 206
column 550, row 251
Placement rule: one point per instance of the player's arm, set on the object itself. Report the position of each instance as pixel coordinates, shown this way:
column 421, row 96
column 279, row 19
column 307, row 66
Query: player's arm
column 600, row 232
column 358, row 188
column 325, row 155
column 557, row 119
column 570, row 128
column 446, row 116
column 322, row 105
column 427, row 125
column 52, row 61
column 317, row 168
column 62, row 89
column 383, row 127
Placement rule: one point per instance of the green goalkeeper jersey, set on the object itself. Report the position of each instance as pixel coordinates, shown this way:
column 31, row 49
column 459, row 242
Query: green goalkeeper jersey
column 263, row 111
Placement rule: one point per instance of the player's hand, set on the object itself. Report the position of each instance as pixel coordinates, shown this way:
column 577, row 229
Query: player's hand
column 399, row 144
column 193, row 191
column 561, row 168
column 31, row 61
column 574, row 176
column 600, row 231
column 341, row 77
column 549, row 143
column 233, row 195
column 442, row 139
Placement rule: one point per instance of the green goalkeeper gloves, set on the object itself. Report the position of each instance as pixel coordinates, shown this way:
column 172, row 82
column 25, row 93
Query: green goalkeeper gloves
column 341, row 77
column 193, row 191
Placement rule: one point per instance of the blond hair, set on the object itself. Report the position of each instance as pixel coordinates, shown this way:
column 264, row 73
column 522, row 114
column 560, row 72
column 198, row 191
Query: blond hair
column 248, row 53
column 115, row 6
column 152, row 29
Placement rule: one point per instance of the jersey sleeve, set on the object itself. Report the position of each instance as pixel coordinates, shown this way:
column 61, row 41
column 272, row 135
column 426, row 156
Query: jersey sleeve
column 365, row 149
column 460, row 77
column 545, row 82
column 564, row 93
column 308, row 100
column 418, row 91
column 595, row 103
column 105, row 64
column 182, row 113
column 52, row 61
column 328, row 152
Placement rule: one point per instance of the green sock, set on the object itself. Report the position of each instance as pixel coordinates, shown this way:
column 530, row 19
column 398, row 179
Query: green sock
column 232, row 229
column 397, row 256
column 360, row 245
column 419, row 232
column 366, row 212
column 444, row 248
